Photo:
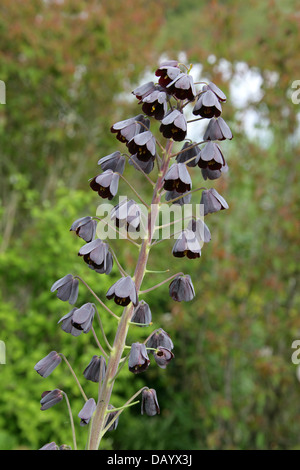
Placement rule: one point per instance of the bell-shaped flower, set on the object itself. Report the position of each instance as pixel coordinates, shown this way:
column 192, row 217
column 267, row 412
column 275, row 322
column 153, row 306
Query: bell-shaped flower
column 138, row 358
column 50, row 398
column 96, row 365
column 115, row 162
column 127, row 214
column 208, row 105
column 217, row 129
column 178, row 178
column 110, row 417
column 167, row 72
column 106, row 184
column 212, row 201
column 156, row 104
column 47, row 365
column 97, row 255
column 174, row 125
column 78, row 320
column 123, row 292
column 127, row 129
column 182, row 87
column 67, row 289
column 149, row 402
column 162, row 356
column 189, row 153
column 85, row 228
column 160, row 338
column 188, row 245
column 182, row 289
column 143, row 146
column 211, row 157
column 87, row 412
column 142, row 314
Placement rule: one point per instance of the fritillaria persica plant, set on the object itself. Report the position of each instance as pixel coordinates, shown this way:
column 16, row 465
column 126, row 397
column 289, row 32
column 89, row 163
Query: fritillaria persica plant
column 169, row 172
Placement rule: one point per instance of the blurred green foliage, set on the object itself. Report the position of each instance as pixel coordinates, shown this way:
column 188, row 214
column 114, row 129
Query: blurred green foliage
column 232, row 383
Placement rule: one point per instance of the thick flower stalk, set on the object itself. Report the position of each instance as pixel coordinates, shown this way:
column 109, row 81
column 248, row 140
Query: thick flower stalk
column 169, row 171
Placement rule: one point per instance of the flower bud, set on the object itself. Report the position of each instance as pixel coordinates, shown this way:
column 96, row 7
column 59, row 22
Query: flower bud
column 46, row 365
column 138, row 358
column 149, row 402
column 87, row 412
column 182, row 289
column 142, row 314
column 50, row 398
column 92, row 371
column 67, row 289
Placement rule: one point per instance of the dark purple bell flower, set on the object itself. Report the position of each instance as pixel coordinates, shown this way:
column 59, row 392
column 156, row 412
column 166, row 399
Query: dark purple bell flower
column 174, row 125
column 217, row 129
column 212, row 201
column 182, row 87
column 209, row 174
column 127, row 129
column 139, row 165
column 178, row 178
column 92, row 371
column 123, row 292
column 50, row 398
column 211, row 157
column 115, row 162
column 144, row 90
column 106, row 184
column 85, row 228
column 127, row 213
column 138, row 358
column 188, row 245
column 182, row 289
column 149, row 402
column 160, row 338
column 110, row 417
column 167, row 72
column 97, row 255
column 87, row 412
column 47, row 365
column 78, row 320
column 208, row 105
column 162, row 356
column 219, row 93
column 189, row 152
column 143, row 146
column 67, row 289
column 142, row 314
column 156, row 104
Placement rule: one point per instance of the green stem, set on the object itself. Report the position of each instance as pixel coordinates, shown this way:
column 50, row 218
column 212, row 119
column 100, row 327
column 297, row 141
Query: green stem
column 71, row 420
column 74, row 375
column 98, row 343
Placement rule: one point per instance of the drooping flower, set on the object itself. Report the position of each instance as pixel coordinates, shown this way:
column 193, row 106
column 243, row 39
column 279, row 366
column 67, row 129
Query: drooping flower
column 184, row 199
column 85, row 228
column 92, row 371
column 174, row 125
column 219, row 93
column 142, row 314
column 212, row 201
column 167, row 72
column 47, row 365
column 149, row 402
column 217, row 129
column 50, row 446
column 208, row 105
column 123, row 292
column 67, row 289
column 106, row 184
column 127, row 129
column 162, row 356
column 156, row 103
column 50, row 398
column 188, row 245
column 182, row 87
column 127, row 213
column 143, row 146
column 189, row 153
column 211, row 157
column 78, row 320
column 201, row 230
column 87, row 412
column 178, row 178
column 138, row 358
column 97, row 255
column 139, row 165
column 115, row 162
column 144, row 90
column 182, row 289
column 110, row 417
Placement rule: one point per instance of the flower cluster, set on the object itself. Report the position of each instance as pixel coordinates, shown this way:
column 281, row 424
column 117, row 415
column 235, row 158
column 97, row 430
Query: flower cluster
column 165, row 101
